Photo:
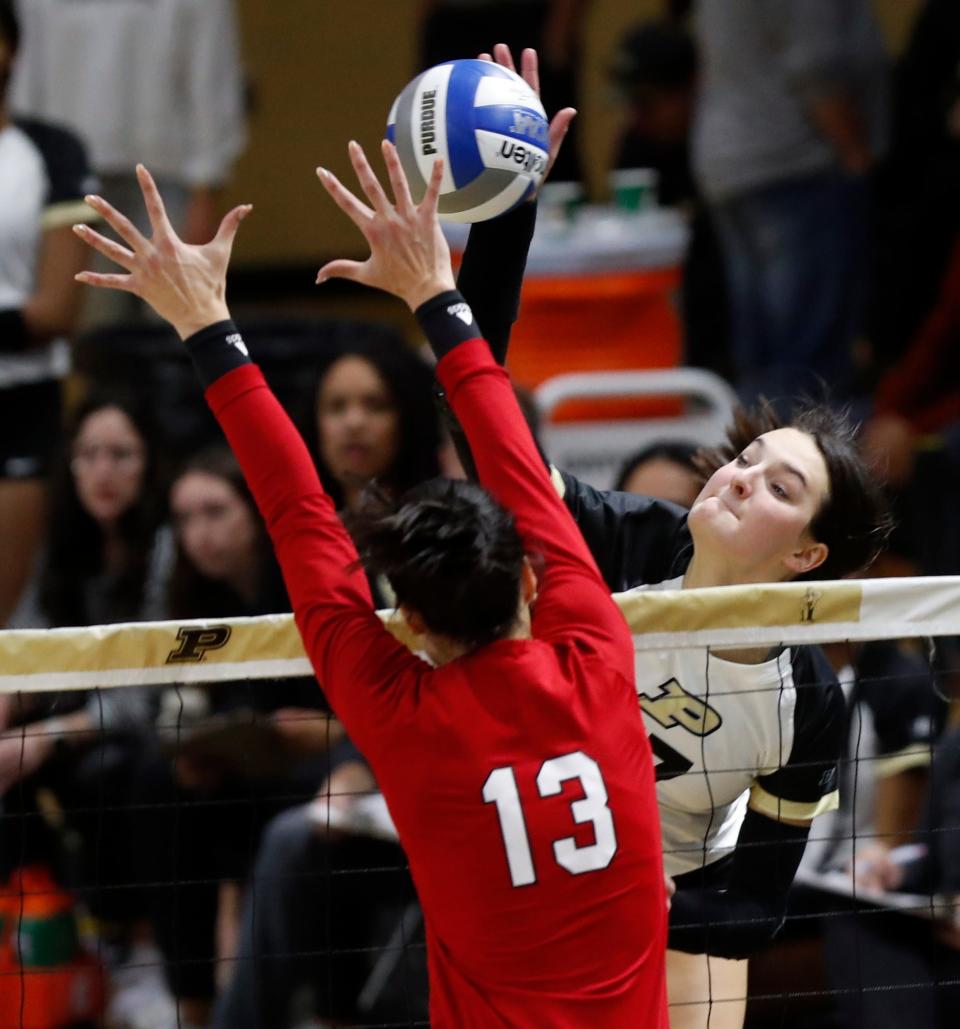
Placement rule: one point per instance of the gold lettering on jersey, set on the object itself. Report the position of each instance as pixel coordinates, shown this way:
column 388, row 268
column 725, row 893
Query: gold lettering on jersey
column 674, row 706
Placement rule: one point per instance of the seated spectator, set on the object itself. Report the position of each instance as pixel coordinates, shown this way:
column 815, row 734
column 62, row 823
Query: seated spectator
column 374, row 421
column 894, row 715
column 106, row 559
column 896, row 949
column 108, row 552
column 664, row 470
column 45, row 175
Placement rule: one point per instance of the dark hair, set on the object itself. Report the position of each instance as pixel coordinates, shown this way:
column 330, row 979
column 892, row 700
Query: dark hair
column 75, row 543
column 195, row 595
column 451, row 553
column 656, row 55
column 410, row 383
column 854, row 520
column 675, row 451
column 9, row 24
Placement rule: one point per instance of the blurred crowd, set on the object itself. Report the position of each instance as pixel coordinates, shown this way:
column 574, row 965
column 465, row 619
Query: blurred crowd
column 821, row 182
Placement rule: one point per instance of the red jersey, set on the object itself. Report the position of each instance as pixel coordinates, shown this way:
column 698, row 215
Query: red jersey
column 519, row 776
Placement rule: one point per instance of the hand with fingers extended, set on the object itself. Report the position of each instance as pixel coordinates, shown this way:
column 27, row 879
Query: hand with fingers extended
column 185, row 284
column 409, row 256
column 530, row 72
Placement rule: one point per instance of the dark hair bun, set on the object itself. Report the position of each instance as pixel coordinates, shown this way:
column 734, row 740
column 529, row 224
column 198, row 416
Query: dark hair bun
column 451, row 553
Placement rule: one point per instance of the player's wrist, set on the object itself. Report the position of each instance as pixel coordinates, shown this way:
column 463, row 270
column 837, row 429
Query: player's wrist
column 200, row 319
column 447, row 321
column 217, row 349
column 429, row 290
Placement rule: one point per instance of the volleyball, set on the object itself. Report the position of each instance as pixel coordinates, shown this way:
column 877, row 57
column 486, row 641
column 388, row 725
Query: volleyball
column 487, row 125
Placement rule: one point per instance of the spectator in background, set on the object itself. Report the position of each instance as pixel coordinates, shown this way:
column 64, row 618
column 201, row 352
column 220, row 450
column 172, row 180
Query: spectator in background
column 920, row 956
column 894, row 714
column 894, row 718
column 654, row 71
column 108, row 552
column 106, row 560
column 462, row 28
column 43, row 177
column 172, row 73
column 374, row 421
column 790, row 121
column 664, row 470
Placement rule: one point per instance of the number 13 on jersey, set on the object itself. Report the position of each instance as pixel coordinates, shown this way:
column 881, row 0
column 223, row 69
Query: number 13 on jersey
column 500, row 788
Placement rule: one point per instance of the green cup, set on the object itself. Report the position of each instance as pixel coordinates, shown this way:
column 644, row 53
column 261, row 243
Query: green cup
column 634, row 189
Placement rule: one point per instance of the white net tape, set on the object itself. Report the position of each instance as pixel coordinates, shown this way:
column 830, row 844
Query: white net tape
column 268, row 647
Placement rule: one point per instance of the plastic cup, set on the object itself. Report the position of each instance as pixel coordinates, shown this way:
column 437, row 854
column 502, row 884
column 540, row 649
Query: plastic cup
column 634, row 189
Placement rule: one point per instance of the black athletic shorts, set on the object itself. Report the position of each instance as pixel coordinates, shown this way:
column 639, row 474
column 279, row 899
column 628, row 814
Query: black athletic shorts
column 715, row 876
column 29, row 429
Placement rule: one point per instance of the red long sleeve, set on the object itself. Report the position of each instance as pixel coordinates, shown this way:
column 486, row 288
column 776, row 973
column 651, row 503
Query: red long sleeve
column 356, row 660
column 573, row 599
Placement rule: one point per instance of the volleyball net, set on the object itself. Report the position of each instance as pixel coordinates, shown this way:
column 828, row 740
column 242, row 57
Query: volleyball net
column 174, row 820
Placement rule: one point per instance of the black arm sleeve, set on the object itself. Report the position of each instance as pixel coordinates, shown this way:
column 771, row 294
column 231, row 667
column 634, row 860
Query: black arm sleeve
column 634, row 539
column 490, row 279
column 736, row 922
column 491, row 274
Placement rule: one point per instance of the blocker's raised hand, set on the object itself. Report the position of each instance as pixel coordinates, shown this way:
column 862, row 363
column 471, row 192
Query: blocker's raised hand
column 184, row 284
column 409, row 256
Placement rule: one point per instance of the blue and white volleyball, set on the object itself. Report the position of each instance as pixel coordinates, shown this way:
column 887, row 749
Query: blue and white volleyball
column 487, row 125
